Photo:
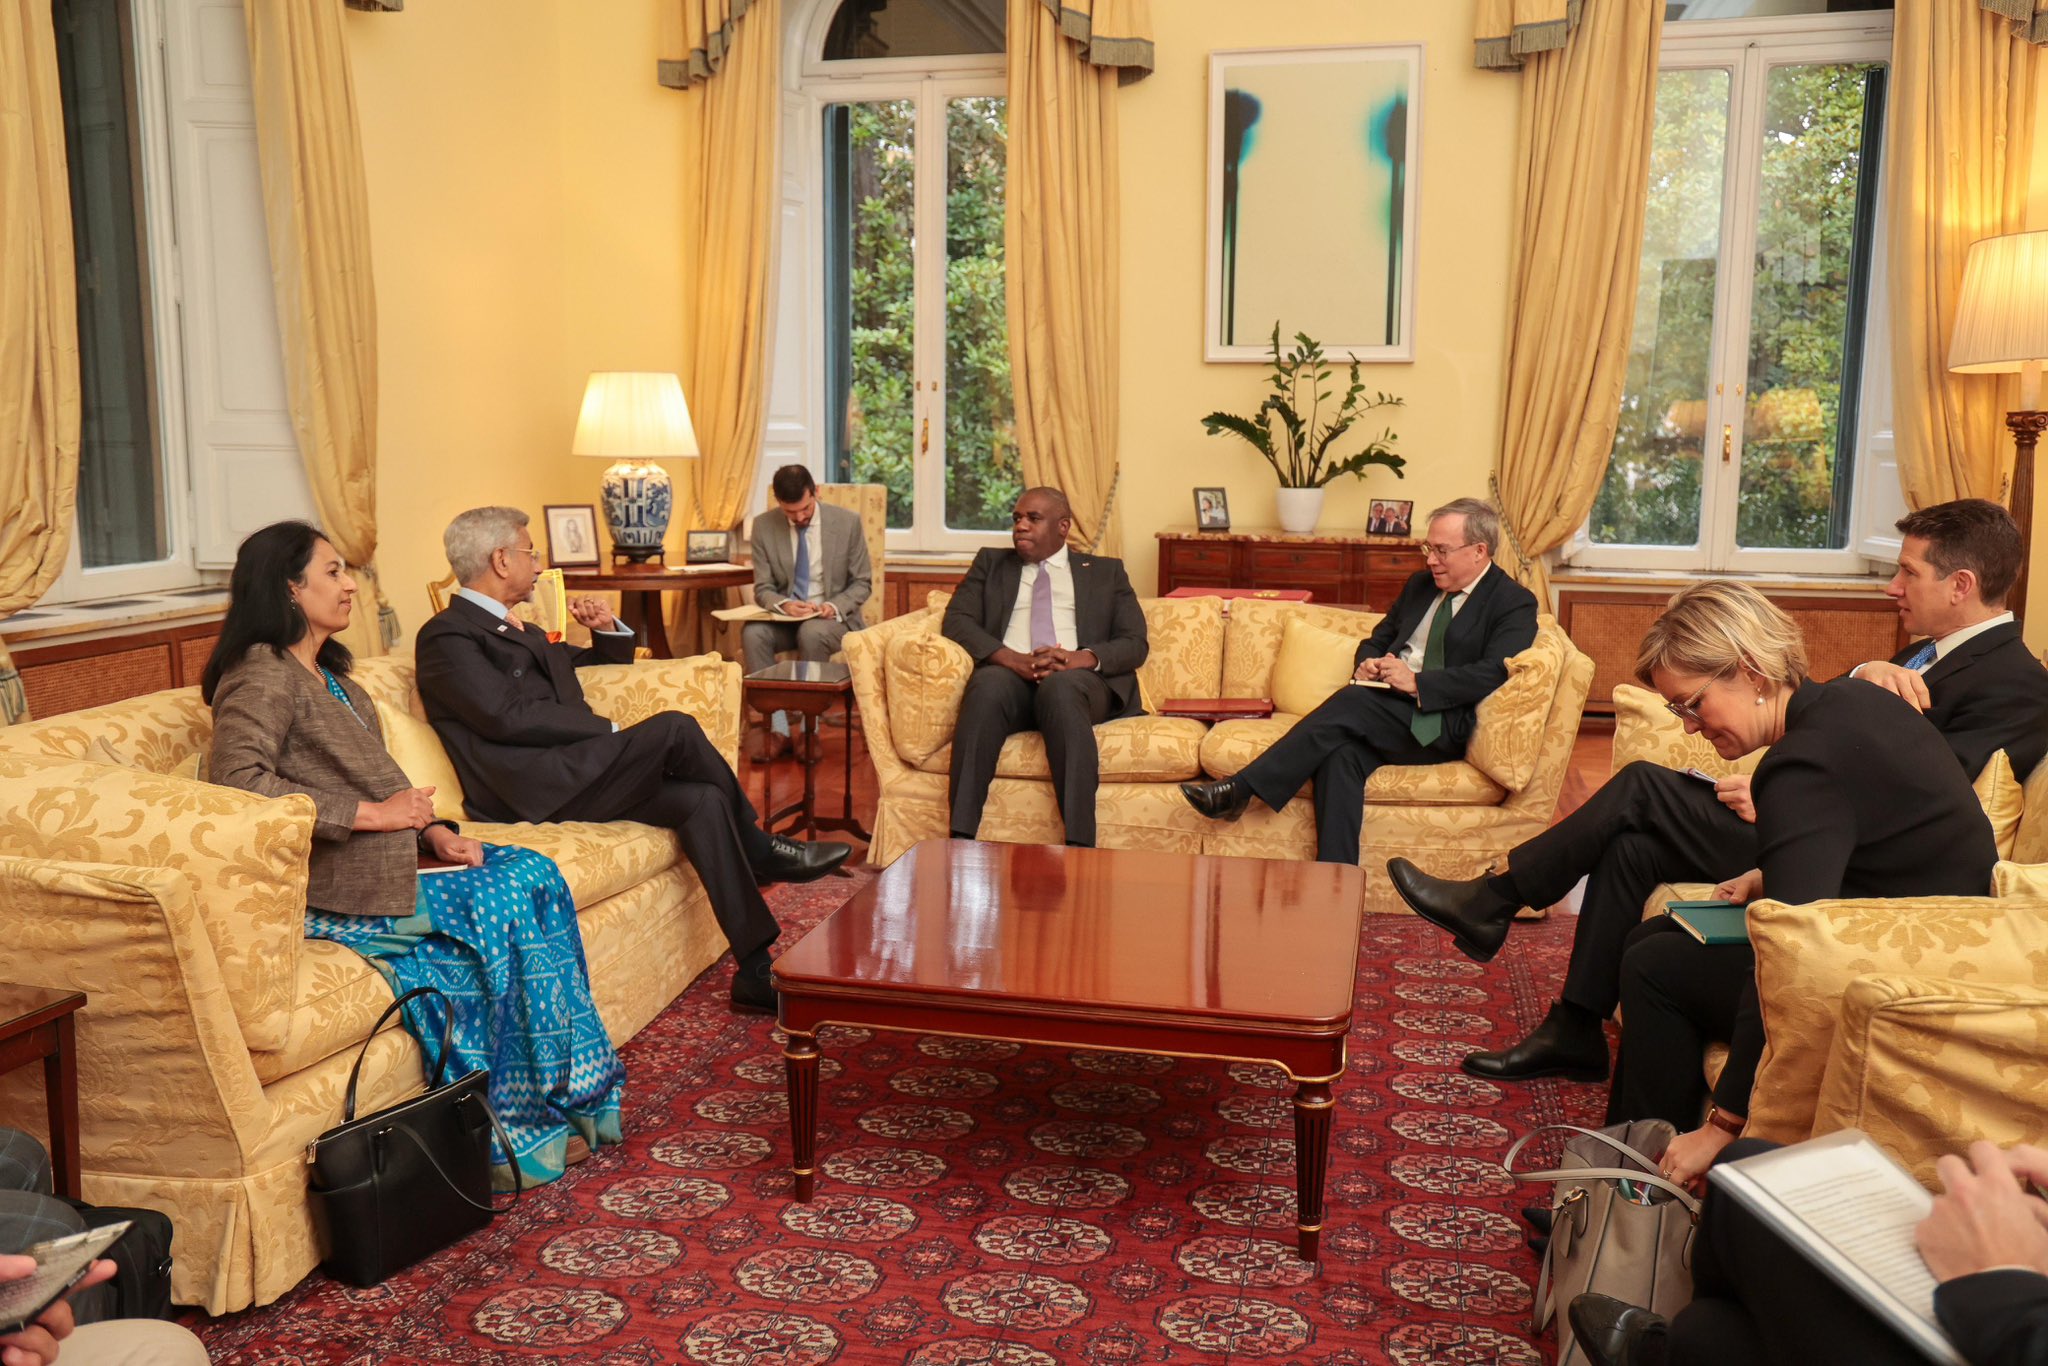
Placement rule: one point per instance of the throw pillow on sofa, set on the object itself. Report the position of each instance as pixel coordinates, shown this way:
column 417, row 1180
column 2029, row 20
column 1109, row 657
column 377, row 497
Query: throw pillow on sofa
column 1998, row 792
column 1508, row 730
column 416, row 749
column 1312, row 664
column 927, row 679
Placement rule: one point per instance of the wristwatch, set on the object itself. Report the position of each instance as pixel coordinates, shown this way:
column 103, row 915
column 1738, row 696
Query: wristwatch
column 1725, row 1122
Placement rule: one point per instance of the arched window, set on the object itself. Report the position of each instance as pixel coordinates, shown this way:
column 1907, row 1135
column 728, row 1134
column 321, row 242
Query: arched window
column 915, row 348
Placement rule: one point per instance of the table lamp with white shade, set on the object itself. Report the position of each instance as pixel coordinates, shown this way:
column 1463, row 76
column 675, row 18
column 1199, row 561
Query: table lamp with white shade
column 2002, row 328
column 633, row 418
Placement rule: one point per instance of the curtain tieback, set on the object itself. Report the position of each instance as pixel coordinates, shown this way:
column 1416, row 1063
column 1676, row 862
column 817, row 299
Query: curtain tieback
column 1116, row 476
column 1507, row 526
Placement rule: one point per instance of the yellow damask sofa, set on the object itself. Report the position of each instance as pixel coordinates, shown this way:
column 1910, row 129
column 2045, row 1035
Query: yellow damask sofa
column 1454, row 819
column 1922, row 1021
column 217, row 1039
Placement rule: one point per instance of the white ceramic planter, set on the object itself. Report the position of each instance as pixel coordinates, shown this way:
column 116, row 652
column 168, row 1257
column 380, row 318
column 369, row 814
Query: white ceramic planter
column 1300, row 509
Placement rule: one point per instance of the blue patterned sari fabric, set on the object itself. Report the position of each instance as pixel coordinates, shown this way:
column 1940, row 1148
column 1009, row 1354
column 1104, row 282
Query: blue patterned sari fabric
column 502, row 944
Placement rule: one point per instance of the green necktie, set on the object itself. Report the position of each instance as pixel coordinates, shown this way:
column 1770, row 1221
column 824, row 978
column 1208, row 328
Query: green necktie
column 1428, row 725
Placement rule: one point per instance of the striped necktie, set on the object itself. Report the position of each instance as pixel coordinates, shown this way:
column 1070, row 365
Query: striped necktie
column 1922, row 657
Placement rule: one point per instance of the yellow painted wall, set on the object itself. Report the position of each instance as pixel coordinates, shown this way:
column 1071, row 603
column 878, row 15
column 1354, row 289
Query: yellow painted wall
column 1448, row 428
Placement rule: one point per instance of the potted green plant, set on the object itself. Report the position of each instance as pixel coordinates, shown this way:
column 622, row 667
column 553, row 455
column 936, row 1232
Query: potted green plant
column 1298, row 447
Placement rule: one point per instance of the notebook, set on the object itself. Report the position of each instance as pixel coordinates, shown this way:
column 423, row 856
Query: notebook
column 1711, row 922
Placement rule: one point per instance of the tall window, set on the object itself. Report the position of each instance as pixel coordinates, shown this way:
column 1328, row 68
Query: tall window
column 1754, row 421
column 186, row 443
column 917, row 360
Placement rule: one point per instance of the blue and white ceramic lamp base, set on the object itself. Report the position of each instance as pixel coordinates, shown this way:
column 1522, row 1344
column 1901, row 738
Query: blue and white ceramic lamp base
column 638, row 500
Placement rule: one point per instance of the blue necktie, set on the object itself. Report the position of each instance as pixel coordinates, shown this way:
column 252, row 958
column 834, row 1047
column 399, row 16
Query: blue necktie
column 1922, row 657
column 800, row 581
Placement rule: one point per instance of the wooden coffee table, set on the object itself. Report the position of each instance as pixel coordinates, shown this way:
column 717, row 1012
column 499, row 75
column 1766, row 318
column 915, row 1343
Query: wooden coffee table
column 1181, row 954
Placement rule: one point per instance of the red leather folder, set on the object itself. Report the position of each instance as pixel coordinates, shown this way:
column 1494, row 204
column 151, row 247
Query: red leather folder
column 1218, row 708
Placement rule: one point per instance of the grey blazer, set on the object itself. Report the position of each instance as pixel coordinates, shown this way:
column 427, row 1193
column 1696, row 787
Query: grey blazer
column 276, row 731
column 849, row 573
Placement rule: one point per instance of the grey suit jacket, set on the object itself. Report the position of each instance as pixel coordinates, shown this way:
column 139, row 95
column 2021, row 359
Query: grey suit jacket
column 849, row 573
column 277, row 731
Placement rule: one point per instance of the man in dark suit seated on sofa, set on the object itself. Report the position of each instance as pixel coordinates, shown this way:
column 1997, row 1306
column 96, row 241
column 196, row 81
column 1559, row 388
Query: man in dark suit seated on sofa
column 505, row 701
column 1973, row 677
column 1056, row 637
column 1435, row 655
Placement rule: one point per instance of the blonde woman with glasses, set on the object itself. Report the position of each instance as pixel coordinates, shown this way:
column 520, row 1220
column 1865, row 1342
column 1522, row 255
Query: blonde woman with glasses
column 1859, row 796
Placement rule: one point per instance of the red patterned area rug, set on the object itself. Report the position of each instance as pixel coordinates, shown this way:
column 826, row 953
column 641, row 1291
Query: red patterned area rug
column 984, row 1202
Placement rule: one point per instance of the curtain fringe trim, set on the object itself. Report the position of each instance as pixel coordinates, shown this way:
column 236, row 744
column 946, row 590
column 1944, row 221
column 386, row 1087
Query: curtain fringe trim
column 1116, row 477
column 1134, row 56
column 2033, row 27
column 1505, row 53
column 1523, row 562
column 680, row 73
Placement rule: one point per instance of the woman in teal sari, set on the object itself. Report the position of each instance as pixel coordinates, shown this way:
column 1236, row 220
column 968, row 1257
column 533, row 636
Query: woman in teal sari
column 497, row 935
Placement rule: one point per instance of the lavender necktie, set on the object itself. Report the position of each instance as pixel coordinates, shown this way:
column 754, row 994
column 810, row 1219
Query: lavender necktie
column 1041, row 610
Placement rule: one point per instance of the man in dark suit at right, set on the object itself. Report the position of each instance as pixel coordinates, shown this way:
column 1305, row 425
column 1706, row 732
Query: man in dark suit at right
column 1056, row 637
column 1972, row 676
column 1431, row 660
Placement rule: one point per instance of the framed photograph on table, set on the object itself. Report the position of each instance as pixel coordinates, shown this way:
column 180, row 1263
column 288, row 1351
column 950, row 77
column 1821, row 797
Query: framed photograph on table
column 707, row 547
column 572, row 534
column 1312, row 157
column 1391, row 517
column 1212, row 510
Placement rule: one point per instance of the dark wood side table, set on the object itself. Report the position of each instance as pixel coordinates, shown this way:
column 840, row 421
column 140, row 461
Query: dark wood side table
column 640, row 587
column 1336, row 566
column 35, row 1022
column 1188, row 955
column 809, row 689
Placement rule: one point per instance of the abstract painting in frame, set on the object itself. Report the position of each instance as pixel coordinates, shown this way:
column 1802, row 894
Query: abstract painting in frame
column 1312, row 168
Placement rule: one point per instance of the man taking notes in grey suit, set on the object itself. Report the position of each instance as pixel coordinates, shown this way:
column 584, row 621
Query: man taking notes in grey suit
column 810, row 561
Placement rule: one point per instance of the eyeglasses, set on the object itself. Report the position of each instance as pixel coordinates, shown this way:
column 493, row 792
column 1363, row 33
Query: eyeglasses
column 532, row 550
column 1688, row 710
column 1444, row 552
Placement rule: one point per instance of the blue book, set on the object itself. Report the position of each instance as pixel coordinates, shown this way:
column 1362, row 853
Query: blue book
column 1711, row 922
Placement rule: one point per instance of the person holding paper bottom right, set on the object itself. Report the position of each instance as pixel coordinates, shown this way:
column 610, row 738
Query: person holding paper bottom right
column 1856, row 798
column 1759, row 1298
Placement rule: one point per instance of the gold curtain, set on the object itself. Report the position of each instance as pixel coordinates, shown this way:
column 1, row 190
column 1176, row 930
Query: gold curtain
column 1060, row 244
column 39, row 403
column 1510, row 31
column 316, row 208
column 1582, row 165
column 1961, row 139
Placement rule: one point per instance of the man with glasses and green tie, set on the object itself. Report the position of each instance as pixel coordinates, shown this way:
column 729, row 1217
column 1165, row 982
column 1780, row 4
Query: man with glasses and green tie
column 1972, row 677
column 1424, row 670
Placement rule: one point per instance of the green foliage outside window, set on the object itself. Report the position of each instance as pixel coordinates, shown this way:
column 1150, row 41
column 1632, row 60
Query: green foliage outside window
column 983, row 473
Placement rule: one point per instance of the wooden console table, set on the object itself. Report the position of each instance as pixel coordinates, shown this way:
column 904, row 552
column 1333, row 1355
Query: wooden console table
column 1337, row 567
column 640, row 587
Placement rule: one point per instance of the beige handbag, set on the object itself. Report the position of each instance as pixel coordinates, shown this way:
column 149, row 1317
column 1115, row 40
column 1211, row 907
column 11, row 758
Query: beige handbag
column 1600, row 1239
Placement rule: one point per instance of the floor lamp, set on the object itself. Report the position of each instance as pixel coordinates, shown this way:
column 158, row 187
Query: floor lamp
column 2002, row 327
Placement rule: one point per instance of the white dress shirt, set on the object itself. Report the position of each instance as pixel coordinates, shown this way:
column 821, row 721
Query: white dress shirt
column 1418, row 642
column 1949, row 642
column 1018, row 635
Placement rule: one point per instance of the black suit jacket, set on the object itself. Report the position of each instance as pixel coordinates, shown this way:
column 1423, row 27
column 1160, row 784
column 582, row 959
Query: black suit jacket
column 1996, row 1318
column 1988, row 694
column 1858, row 799
column 1107, row 618
column 505, row 701
column 1498, row 620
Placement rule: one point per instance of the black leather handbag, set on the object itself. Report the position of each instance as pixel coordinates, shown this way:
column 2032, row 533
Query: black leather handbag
column 405, row 1182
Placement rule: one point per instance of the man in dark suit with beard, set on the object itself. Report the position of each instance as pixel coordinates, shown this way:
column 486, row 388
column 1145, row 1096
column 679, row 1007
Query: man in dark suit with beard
column 1436, row 654
column 1056, row 637
column 1972, row 677
column 505, row 701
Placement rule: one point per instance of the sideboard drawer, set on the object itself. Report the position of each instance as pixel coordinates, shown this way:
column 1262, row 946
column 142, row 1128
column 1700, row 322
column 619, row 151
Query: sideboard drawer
column 1188, row 556
column 1325, row 560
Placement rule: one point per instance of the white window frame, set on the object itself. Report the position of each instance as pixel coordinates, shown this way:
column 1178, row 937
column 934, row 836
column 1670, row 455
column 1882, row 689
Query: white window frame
column 1748, row 49
column 797, row 421
column 227, row 456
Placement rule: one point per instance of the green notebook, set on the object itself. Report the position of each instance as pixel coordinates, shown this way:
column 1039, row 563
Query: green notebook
column 1711, row 922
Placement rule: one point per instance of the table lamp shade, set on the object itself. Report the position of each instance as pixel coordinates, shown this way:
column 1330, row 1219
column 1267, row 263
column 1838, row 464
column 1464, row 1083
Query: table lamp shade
column 633, row 418
column 2002, row 316
column 634, row 415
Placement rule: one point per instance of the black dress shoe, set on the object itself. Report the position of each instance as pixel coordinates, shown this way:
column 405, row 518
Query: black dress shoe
column 1224, row 801
column 1567, row 1044
column 1538, row 1217
column 753, row 991
column 794, row 861
column 1611, row 1333
column 1477, row 917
